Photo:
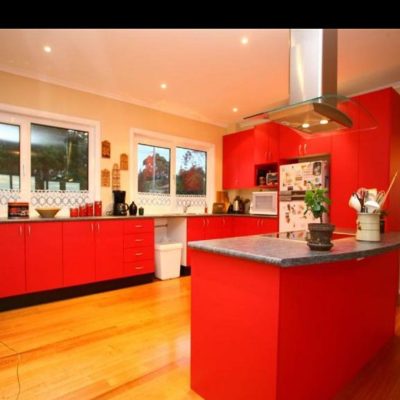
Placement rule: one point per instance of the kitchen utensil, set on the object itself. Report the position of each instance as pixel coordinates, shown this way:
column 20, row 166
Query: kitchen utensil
column 361, row 195
column 354, row 202
column 380, row 196
column 387, row 192
column 372, row 205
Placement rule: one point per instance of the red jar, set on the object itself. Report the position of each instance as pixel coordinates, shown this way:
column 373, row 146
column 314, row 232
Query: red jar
column 97, row 208
column 82, row 210
column 89, row 209
column 74, row 212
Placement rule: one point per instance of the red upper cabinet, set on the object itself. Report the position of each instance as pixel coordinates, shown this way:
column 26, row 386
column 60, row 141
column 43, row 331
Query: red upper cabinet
column 293, row 145
column 78, row 252
column 109, row 249
column 238, row 160
column 266, row 143
column 43, row 256
column 12, row 250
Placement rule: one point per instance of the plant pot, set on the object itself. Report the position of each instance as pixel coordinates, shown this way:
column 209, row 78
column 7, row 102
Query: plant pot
column 320, row 236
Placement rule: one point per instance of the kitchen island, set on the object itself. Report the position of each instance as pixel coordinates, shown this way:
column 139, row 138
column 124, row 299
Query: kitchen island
column 272, row 319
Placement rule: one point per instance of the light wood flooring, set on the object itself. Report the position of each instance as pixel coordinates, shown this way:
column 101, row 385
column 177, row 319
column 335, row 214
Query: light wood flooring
column 130, row 343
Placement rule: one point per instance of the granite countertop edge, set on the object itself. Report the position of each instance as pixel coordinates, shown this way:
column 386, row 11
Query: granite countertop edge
column 127, row 217
column 300, row 254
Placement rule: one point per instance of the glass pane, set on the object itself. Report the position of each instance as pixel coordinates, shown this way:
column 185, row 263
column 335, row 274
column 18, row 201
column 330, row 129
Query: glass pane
column 191, row 167
column 9, row 156
column 153, row 169
column 59, row 157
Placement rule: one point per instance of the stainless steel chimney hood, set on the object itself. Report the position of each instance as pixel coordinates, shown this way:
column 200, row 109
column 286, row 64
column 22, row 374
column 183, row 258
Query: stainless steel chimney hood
column 314, row 105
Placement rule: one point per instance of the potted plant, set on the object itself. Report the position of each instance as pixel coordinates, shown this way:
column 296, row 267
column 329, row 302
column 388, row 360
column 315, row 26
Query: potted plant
column 320, row 233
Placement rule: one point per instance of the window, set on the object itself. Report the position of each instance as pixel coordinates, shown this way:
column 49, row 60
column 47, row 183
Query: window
column 191, row 172
column 183, row 173
column 47, row 159
column 9, row 156
column 153, row 169
column 59, row 158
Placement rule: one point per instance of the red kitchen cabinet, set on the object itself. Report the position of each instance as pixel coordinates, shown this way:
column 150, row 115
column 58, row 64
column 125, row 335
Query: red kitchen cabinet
column 238, row 160
column 243, row 226
column 12, row 250
column 266, row 143
column 43, row 241
column 293, row 145
column 268, row 225
column 78, row 252
column 109, row 249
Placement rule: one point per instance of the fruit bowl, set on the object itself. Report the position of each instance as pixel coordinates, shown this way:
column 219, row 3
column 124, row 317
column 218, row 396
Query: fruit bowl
column 48, row 212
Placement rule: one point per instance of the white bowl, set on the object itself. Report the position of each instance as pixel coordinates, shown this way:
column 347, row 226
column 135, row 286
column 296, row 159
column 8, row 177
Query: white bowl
column 47, row 212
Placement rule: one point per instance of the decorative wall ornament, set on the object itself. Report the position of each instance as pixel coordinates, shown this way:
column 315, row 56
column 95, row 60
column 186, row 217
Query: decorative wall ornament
column 123, row 163
column 7, row 195
column 154, row 199
column 194, row 200
column 60, row 198
column 105, row 177
column 105, row 149
column 116, row 181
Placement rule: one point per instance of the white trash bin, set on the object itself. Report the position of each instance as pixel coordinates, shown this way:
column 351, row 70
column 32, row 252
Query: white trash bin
column 168, row 260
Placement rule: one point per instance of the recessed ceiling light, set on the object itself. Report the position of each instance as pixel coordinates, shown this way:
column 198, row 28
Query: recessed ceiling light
column 244, row 40
column 235, row 109
column 305, row 125
column 47, row 49
column 163, row 86
column 323, row 121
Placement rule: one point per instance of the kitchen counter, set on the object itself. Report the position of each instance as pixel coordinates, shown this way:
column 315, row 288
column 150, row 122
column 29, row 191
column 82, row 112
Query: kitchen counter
column 290, row 253
column 263, row 331
column 113, row 217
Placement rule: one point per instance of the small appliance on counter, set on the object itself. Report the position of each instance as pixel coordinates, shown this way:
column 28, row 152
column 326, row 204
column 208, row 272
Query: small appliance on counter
column 218, row 208
column 120, row 207
column 238, row 205
column 18, row 210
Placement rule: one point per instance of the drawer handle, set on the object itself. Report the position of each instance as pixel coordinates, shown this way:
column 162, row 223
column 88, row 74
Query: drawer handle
column 138, row 226
column 139, row 254
column 139, row 240
column 139, row 267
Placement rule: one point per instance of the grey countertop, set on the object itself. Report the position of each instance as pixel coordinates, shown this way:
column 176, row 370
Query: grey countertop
column 289, row 253
column 112, row 217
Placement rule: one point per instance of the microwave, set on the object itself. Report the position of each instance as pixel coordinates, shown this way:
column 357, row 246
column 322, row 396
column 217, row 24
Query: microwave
column 264, row 203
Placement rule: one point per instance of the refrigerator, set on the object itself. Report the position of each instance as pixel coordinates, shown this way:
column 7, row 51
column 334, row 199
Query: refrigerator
column 294, row 180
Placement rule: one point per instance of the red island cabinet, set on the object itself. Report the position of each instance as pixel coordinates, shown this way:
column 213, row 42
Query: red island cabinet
column 43, row 241
column 12, row 268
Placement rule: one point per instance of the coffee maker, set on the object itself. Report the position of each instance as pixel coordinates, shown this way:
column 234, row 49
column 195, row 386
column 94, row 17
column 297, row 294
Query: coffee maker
column 120, row 207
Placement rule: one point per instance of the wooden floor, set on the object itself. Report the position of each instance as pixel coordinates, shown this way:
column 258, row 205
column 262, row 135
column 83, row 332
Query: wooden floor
column 131, row 343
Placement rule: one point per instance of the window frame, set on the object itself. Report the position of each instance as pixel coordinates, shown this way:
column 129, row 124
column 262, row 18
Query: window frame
column 24, row 117
column 141, row 136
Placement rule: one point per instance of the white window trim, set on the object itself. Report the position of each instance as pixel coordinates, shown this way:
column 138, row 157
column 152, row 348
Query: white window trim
column 24, row 116
column 143, row 136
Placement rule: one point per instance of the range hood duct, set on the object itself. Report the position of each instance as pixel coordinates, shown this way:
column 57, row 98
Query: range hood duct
column 314, row 105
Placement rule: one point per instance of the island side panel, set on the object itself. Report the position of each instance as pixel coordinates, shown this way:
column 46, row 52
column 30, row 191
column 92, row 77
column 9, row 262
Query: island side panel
column 334, row 318
column 234, row 327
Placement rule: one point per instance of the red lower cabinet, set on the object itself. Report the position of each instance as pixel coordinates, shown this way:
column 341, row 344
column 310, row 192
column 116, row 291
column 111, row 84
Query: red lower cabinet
column 109, row 249
column 43, row 260
column 78, row 253
column 12, row 267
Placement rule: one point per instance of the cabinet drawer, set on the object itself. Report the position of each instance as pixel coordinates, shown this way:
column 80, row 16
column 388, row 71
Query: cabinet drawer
column 138, row 239
column 138, row 267
column 139, row 253
column 139, row 225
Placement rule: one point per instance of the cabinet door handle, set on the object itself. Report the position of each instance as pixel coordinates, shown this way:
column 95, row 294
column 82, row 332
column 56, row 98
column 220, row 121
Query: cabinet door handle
column 139, row 240
column 305, row 148
column 29, row 230
column 204, row 222
column 139, row 267
column 266, row 155
column 299, row 149
column 92, row 227
column 138, row 254
column 98, row 227
column 138, row 226
column 20, row 230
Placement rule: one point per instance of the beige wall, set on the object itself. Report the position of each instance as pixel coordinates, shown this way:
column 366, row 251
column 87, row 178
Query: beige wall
column 116, row 118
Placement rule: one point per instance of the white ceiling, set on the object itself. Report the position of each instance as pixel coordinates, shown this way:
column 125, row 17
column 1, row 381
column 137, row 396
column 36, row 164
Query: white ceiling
column 208, row 71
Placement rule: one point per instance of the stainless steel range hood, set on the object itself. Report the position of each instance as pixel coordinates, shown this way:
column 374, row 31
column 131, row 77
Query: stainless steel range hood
column 314, row 104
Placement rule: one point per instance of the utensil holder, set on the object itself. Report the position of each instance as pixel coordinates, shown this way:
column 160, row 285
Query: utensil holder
column 368, row 227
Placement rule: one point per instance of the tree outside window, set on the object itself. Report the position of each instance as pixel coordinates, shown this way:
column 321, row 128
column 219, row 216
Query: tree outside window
column 191, row 172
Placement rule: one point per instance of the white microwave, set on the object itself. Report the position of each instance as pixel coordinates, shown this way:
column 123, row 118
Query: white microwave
column 264, row 203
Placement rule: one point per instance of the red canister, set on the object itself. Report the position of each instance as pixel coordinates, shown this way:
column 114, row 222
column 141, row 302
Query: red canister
column 82, row 210
column 74, row 212
column 97, row 209
column 89, row 209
